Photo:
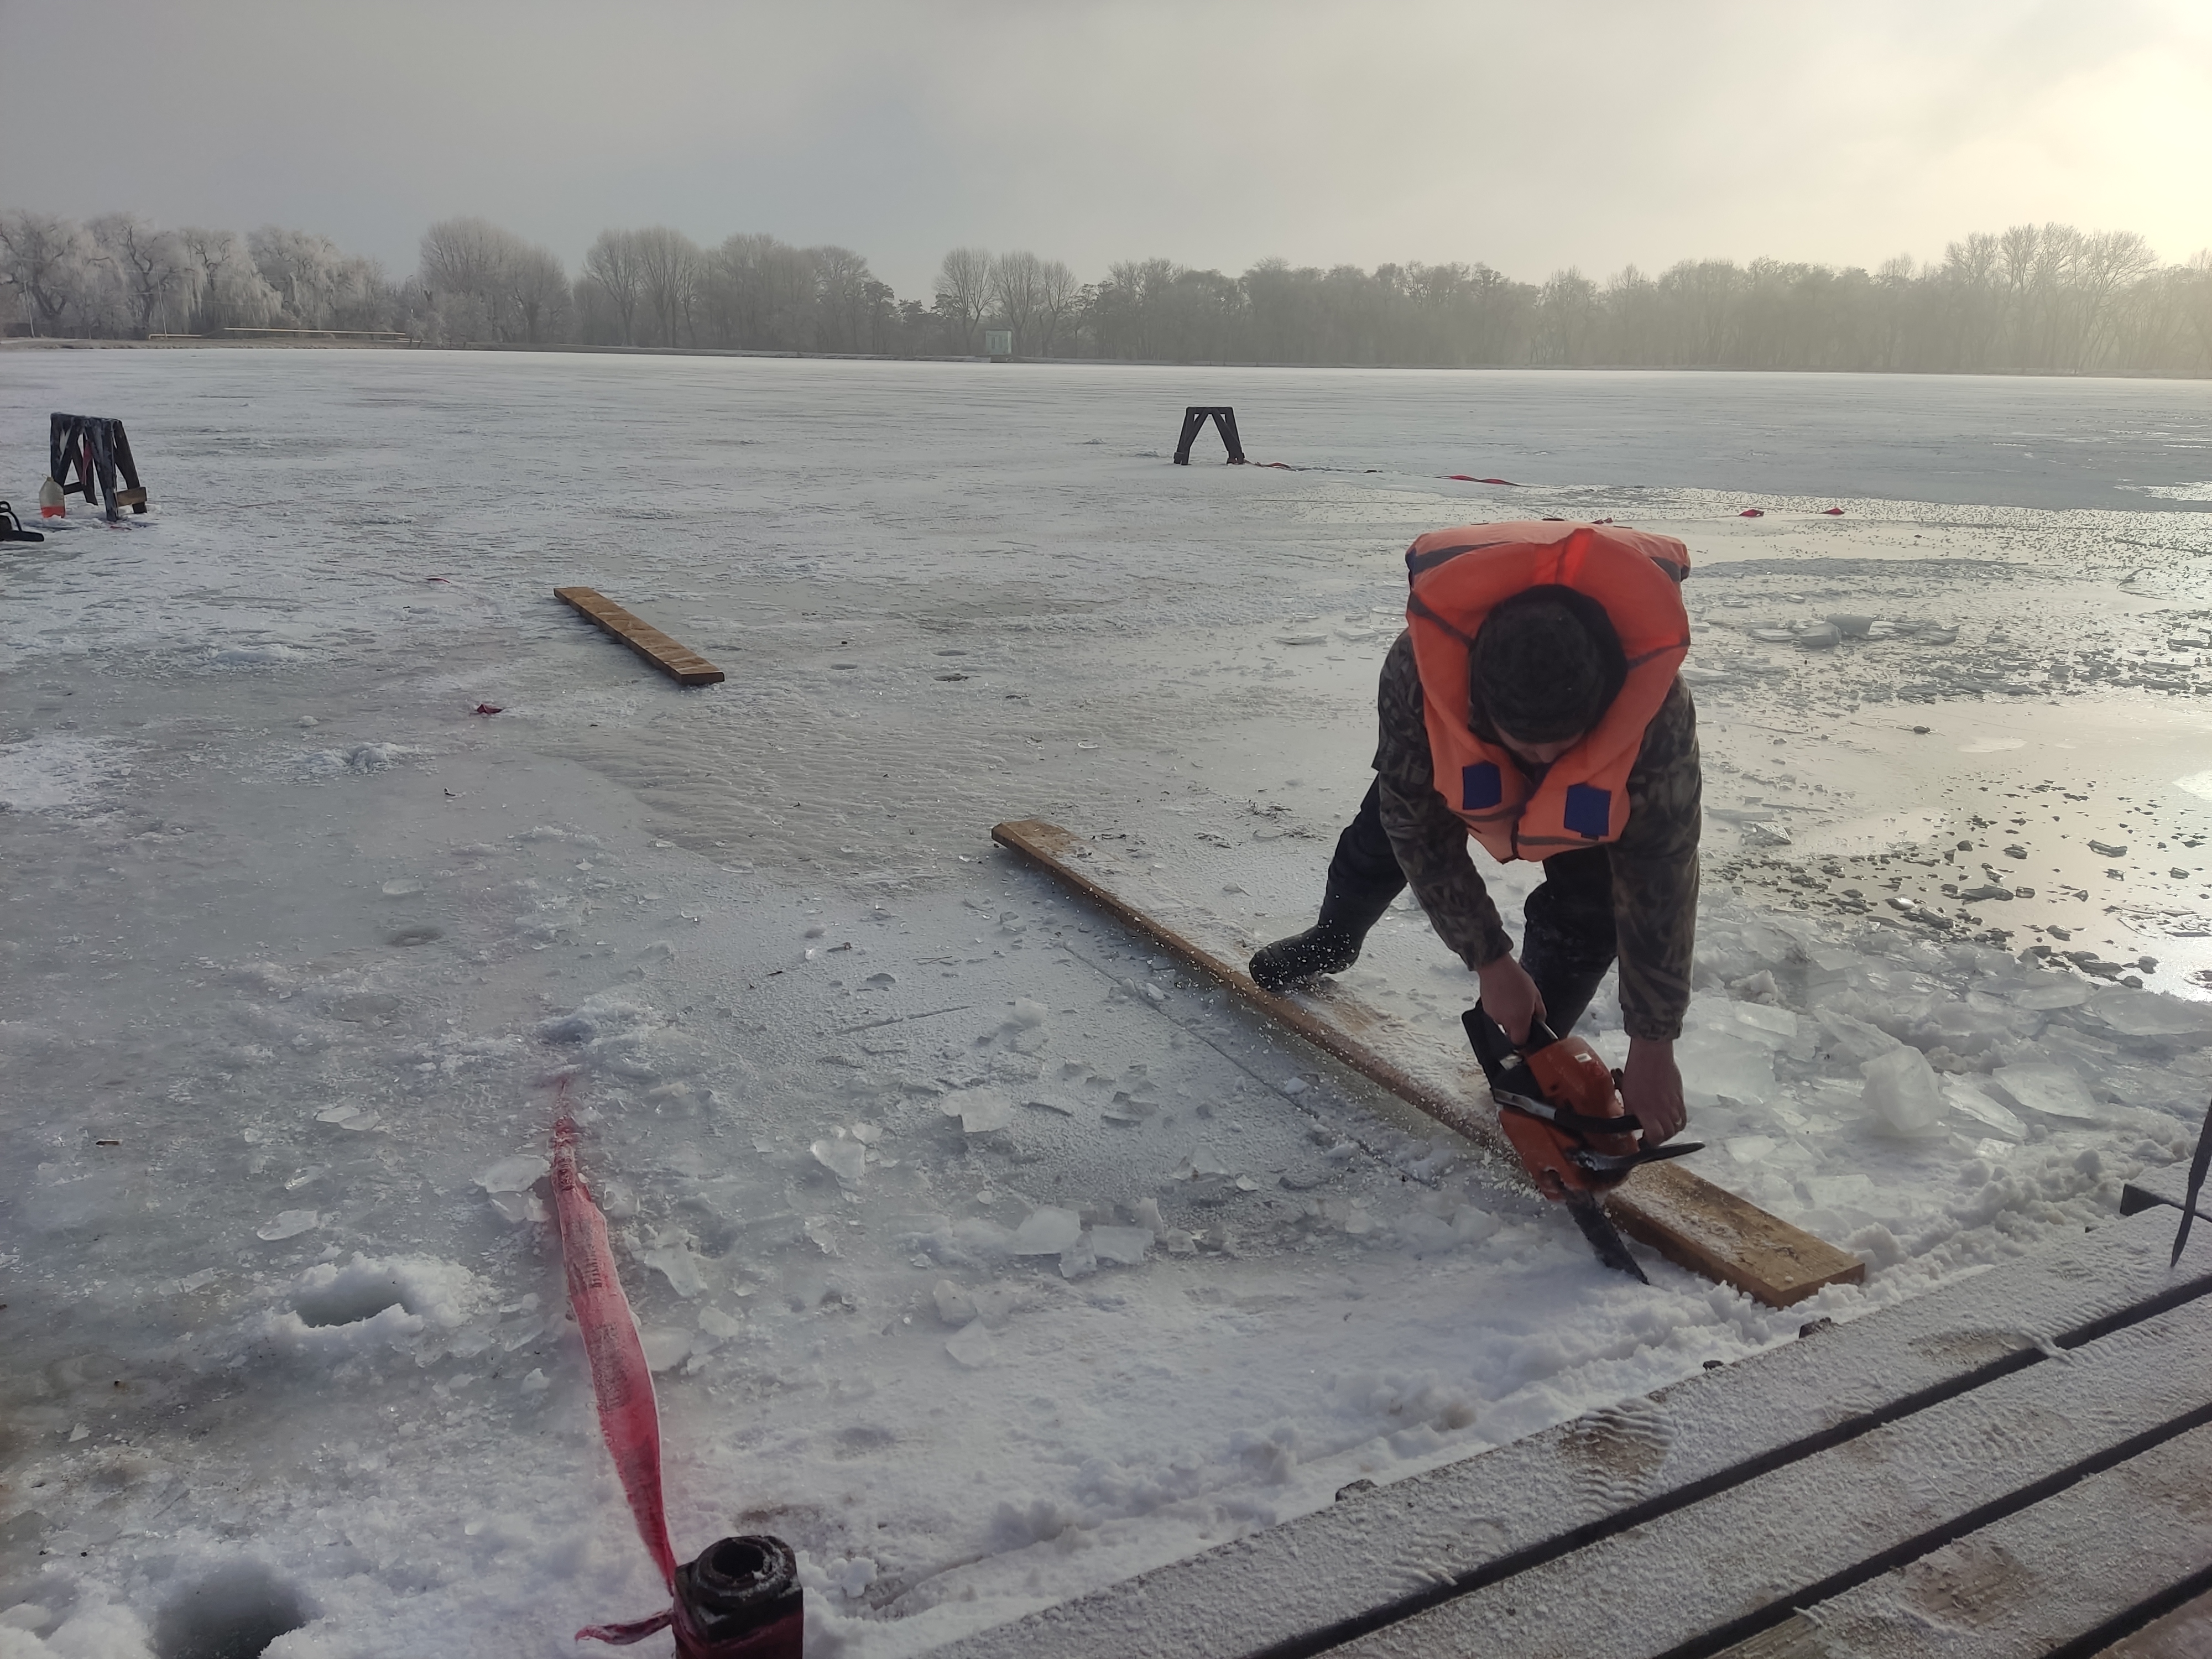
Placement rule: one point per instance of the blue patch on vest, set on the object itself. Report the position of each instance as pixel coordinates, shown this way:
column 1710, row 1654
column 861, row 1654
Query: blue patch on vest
column 1480, row 787
column 1588, row 811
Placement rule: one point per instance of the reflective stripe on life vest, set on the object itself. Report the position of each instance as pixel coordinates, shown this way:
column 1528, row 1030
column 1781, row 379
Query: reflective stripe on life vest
column 1459, row 576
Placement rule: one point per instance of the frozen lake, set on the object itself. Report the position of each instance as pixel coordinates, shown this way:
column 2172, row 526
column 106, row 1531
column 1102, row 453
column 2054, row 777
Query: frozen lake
column 298, row 944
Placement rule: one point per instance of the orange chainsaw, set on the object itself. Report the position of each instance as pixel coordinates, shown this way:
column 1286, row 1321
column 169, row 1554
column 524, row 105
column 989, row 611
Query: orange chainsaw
column 1560, row 1107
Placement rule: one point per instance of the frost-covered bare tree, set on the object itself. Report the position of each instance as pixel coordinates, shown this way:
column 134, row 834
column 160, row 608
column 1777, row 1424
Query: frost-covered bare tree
column 151, row 266
column 484, row 282
column 843, row 283
column 468, row 258
column 228, row 291
column 611, row 264
column 669, row 268
column 1058, row 290
column 1567, row 317
column 317, row 283
column 45, row 259
column 964, row 291
column 537, row 291
column 1015, row 281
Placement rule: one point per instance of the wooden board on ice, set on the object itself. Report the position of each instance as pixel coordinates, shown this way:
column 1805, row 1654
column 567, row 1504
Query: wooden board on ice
column 1384, row 1555
column 679, row 662
column 1677, row 1212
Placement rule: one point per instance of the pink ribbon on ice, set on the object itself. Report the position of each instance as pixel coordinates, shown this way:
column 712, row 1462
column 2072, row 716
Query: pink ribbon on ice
column 621, row 1383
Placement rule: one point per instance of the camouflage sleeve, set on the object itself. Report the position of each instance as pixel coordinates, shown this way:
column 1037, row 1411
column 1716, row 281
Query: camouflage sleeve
column 1654, row 873
column 1428, row 838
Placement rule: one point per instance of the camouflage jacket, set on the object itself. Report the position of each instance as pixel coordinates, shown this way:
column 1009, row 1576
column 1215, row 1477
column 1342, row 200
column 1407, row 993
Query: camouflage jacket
column 1655, row 862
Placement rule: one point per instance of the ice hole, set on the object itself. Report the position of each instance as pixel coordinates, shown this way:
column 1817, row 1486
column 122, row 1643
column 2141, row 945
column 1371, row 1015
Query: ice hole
column 349, row 1299
column 234, row 1614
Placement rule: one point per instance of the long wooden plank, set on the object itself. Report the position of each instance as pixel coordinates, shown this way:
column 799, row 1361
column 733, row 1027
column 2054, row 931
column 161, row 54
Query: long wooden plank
column 1679, row 1213
column 2185, row 1633
column 1386, row 1553
column 679, row 662
column 2166, row 1184
column 1842, row 1518
column 2053, row 1579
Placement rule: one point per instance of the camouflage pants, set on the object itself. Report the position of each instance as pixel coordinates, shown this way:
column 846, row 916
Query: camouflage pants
column 1568, row 941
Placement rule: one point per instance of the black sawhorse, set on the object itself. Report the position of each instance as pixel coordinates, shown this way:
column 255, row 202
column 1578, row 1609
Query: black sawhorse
column 1193, row 423
column 90, row 449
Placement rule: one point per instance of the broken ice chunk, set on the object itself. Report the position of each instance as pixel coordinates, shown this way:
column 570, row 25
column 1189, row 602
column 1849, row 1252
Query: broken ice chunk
column 2105, row 850
column 847, row 1159
column 2049, row 990
column 979, row 1110
column 1973, row 1102
column 717, row 1324
column 1902, row 1091
column 672, row 1258
column 1048, row 1232
column 665, row 1347
column 1716, row 1066
column 513, row 1175
column 289, row 1223
column 1754, row 1021
column 954, row 1305
column 2052, row 1090
column 1124, row 1245
column 2151, row 1013
column 1207, row 1162
column 1820, row 636
column 973, row 1346
column 1026, row 1014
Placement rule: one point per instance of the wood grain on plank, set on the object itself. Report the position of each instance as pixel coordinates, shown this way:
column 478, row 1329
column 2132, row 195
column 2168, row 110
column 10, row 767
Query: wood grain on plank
column 1546, row 1495
column 1678, row 1212
column 2055, row 1578
column 1827, row 1524
column 679, row 661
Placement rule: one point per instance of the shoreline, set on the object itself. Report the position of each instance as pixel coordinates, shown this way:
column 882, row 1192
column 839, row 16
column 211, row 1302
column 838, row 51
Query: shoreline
column 575, row 349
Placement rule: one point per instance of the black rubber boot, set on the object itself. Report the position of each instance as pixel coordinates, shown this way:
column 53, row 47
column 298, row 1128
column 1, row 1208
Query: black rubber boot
column 1363, row 879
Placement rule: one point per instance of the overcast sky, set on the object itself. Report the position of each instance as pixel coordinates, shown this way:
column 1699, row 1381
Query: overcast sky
column 1532, row 136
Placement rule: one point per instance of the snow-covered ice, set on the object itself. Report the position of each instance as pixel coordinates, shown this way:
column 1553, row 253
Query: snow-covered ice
column 979, row 1252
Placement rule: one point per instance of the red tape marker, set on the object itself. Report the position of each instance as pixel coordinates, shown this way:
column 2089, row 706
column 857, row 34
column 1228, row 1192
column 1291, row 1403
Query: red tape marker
column 622, row 1382
column 740, row 1600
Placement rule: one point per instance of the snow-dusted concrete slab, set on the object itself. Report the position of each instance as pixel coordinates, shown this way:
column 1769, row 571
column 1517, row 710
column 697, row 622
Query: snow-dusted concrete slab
column 2087, row 1567
column 1420, row 1563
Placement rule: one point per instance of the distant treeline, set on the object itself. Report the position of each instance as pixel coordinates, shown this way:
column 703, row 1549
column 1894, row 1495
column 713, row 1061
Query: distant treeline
column 2037, row 299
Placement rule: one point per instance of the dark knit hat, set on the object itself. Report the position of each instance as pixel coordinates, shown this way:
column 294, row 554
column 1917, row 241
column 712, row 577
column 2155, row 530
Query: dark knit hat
column 1545, row 666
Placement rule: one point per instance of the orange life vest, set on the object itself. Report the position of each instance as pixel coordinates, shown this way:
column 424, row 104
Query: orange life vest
column 1459, row 576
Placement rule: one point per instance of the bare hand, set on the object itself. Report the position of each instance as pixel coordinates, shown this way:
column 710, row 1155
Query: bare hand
column 1651, row 1089
column 1510, row 997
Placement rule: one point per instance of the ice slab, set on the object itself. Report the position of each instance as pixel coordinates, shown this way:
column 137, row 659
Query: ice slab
column 2048, row 990
column 1970, row 1102
column 513, row 1175
column 1752, row 1022
column 846, row 1159
column 1716, row 1066
column 2050, row 1089
column 1047, row 1231
column 979, row 1110
column 1123, row 1245
column 973, row 1346
column 2151, row 1013
column 1902, row 1091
